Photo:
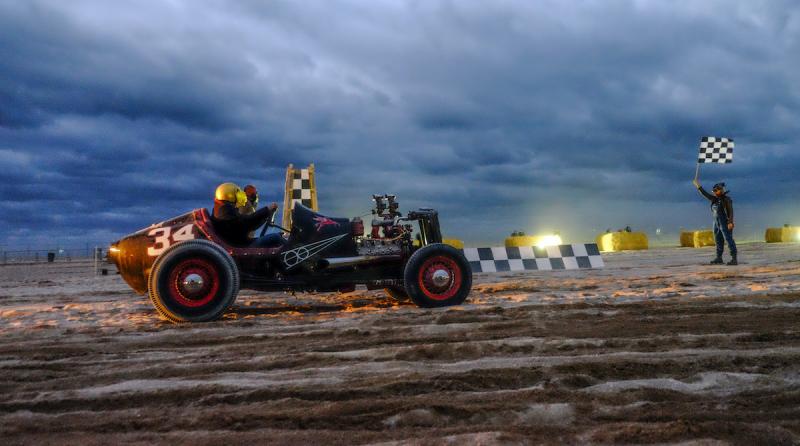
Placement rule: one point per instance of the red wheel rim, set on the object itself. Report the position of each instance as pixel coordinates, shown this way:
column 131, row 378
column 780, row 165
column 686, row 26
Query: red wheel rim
column 194, row 296
column 439, row 290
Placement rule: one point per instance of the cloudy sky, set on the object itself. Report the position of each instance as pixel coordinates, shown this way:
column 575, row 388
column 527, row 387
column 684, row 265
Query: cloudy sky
column 572, row 116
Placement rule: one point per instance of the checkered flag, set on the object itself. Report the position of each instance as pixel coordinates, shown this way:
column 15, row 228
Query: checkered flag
column 716, row 150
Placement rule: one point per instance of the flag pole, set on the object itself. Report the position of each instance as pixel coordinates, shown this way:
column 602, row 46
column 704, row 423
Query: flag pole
column 697, row 172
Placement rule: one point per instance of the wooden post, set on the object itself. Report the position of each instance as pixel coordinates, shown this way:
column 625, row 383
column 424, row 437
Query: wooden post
column 313, row 184
column 286, row 221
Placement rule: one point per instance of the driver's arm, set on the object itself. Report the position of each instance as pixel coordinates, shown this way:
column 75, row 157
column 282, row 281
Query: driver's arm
column 253, row 221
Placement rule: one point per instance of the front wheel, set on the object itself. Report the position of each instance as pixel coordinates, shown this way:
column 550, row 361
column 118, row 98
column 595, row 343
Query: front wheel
column 437, row 275
column 193, row 281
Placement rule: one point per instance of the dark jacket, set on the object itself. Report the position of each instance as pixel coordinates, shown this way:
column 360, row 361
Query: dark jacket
column 235, row 227
column 723, row 202
column 249, row 207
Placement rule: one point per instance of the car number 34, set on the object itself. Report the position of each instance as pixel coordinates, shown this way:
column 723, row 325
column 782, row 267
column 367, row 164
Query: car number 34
column 164, row 238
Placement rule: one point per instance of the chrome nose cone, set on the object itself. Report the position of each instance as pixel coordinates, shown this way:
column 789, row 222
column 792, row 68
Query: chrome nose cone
column 192, row 283
column 441, row 277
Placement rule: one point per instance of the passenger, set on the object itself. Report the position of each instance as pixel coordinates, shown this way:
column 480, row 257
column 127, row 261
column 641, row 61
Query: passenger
column 233, row 225
column 252, row 204
column 252, row 199
column 722, row 208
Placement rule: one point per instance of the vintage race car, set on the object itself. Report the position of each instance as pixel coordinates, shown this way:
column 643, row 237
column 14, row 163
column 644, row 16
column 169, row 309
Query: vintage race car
column 192, row 274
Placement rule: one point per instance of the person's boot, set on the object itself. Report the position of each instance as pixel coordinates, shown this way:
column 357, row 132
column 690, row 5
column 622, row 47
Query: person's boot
column 733, row 261
column 717, row 261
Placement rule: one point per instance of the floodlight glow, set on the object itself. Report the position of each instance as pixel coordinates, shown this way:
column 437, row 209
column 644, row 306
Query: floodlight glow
column 549, row 240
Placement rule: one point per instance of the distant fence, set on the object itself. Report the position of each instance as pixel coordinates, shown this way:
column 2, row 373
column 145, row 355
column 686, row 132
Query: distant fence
column 52, row 255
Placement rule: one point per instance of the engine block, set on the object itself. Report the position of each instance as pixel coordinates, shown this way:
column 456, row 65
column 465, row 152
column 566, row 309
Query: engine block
column 378, row 247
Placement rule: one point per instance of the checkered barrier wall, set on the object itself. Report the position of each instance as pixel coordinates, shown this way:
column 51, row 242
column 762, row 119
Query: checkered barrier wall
column 562, row 257
column 300, row 188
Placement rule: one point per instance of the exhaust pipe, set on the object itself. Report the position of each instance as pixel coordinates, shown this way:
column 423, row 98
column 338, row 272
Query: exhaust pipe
column 345, row 262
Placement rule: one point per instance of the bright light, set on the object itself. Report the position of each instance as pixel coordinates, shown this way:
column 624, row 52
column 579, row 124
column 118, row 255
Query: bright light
column 548, row 240
column 113, row 249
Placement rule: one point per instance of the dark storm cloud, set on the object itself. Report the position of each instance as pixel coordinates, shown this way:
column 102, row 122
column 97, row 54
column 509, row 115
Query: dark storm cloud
column 504, row 115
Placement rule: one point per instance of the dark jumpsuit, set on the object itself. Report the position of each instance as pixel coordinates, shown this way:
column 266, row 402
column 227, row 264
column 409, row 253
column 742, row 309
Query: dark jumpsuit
column 235, row 227
column 722, row 208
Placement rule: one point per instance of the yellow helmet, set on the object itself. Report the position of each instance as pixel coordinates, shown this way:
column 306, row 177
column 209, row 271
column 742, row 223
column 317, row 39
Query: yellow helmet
column 231, row 193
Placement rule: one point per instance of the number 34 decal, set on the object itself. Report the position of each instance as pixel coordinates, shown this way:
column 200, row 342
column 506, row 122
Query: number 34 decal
column 163, row 239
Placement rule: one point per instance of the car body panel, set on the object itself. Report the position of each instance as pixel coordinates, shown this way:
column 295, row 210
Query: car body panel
column 134, row 254
column 312, row 235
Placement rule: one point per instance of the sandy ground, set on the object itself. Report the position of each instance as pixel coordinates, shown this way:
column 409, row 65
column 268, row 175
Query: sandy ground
column 654, row 349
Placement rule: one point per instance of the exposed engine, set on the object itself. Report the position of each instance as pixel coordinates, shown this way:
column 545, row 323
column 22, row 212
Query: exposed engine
column 372, row 247
column 388, row 234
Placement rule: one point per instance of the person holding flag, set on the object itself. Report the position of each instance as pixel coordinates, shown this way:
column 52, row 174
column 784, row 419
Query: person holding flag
column 722, row 209
column 719, row 150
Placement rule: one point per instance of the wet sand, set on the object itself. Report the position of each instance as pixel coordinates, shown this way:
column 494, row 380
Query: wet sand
column 653, row 349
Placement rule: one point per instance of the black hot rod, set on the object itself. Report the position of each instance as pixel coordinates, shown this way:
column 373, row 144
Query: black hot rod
column 192, row 274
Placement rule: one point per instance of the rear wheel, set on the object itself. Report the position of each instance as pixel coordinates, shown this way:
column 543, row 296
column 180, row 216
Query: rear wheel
column 437, row 275
column 193, row 281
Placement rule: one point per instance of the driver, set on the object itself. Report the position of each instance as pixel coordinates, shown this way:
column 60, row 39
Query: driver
column 233, row 225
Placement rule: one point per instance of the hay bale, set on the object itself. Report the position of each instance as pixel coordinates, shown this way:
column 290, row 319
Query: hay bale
column 773, row 235
column 623, row 241
column 786, row 234
column 455, row 243
column 516, row 241
column 697, row 239
column 519, row 241
column 703, row 238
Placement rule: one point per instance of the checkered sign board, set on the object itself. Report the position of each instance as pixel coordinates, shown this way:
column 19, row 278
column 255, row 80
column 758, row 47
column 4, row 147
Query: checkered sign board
column 716, row 150
column 562, row 257
column 301, row 188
